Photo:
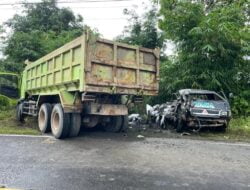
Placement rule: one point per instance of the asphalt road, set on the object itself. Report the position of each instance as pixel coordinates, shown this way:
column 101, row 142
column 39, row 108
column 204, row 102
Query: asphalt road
column 113, row 161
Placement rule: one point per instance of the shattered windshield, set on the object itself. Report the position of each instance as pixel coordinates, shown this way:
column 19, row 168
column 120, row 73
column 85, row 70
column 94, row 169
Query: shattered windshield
column 204, row 100
column 212, row 97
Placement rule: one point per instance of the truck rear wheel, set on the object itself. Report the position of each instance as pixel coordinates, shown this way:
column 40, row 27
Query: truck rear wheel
column 75, row 124
column 60, row 122
column 115, row 124
column 124, row 127
column 44, row 118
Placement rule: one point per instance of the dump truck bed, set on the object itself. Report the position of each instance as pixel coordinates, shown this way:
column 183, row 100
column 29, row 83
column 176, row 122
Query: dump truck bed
column 90, row 64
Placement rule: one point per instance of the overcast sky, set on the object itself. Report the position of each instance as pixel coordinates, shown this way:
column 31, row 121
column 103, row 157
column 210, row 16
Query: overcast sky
column 106, row 16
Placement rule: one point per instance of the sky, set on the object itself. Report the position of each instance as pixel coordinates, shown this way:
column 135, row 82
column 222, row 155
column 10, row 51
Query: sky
column 107, row 16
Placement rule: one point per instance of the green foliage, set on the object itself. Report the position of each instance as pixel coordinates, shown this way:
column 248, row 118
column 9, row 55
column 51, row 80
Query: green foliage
column 211, row 45
column 41, row 28
column 35, row 44
column 4, row 102
column 45, row 16
column 142, row 31
column 241, row 103
column 6, row 65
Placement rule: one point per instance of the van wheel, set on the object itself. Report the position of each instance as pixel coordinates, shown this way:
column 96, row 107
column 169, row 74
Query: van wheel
column 19, row 113
column 60, row 122
column 44, row 118
column 115, row 124
column 75, row 124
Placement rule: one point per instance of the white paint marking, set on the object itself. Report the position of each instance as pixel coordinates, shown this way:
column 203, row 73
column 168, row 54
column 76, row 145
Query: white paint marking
column 29, row 136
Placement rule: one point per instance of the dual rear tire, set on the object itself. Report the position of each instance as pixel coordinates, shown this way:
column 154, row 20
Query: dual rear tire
column 61, row 124
column 44, row 118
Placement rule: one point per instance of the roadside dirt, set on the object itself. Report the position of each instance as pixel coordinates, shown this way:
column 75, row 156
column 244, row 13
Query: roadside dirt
column 10, row 126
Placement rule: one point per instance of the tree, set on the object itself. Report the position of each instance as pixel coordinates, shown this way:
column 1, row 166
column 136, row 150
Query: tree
column 211, row 45
column 41, row 28
column 142, row 31
column 1, row 39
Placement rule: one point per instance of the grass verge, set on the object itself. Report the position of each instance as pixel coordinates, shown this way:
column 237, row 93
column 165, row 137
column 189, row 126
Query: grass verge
column 239, row 130
column 8, row 124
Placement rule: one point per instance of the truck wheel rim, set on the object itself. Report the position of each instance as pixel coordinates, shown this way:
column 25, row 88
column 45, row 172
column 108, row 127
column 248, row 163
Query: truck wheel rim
column 56, row 122
column 41, row 119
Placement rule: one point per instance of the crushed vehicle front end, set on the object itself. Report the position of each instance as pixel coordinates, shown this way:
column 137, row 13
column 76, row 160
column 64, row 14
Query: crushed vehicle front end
column 202, row 117
column 206, row 109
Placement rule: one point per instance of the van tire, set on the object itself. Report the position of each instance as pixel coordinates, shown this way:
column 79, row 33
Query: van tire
column 44, row 118
column 60, row 122
column 75, row 124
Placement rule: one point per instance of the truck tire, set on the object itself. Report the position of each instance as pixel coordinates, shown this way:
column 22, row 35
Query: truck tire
column 75, row 124
column 115, row 125
column 44, row 118
column 124, row 127
column 60, row 122
column 19, row 113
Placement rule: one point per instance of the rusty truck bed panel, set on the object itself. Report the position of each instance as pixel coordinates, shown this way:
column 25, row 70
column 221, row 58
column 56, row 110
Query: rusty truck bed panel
column 95, row 65
column 122, row 68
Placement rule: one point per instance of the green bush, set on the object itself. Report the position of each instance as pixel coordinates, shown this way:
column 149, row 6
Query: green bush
column 240, row 127
column 241, row 104
column 4, row 102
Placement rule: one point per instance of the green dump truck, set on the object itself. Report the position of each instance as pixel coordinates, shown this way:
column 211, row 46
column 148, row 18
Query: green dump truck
column 88, row 81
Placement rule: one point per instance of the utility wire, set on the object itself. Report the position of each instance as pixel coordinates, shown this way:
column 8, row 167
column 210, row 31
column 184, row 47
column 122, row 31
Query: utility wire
column 79, row 1
column 105, row 7
column 68, row 2
column 104, row 18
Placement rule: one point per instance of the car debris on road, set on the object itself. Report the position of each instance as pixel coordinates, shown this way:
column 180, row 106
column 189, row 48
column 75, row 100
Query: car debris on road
column 160, row 113
column 134, row 119
column 192, row 109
